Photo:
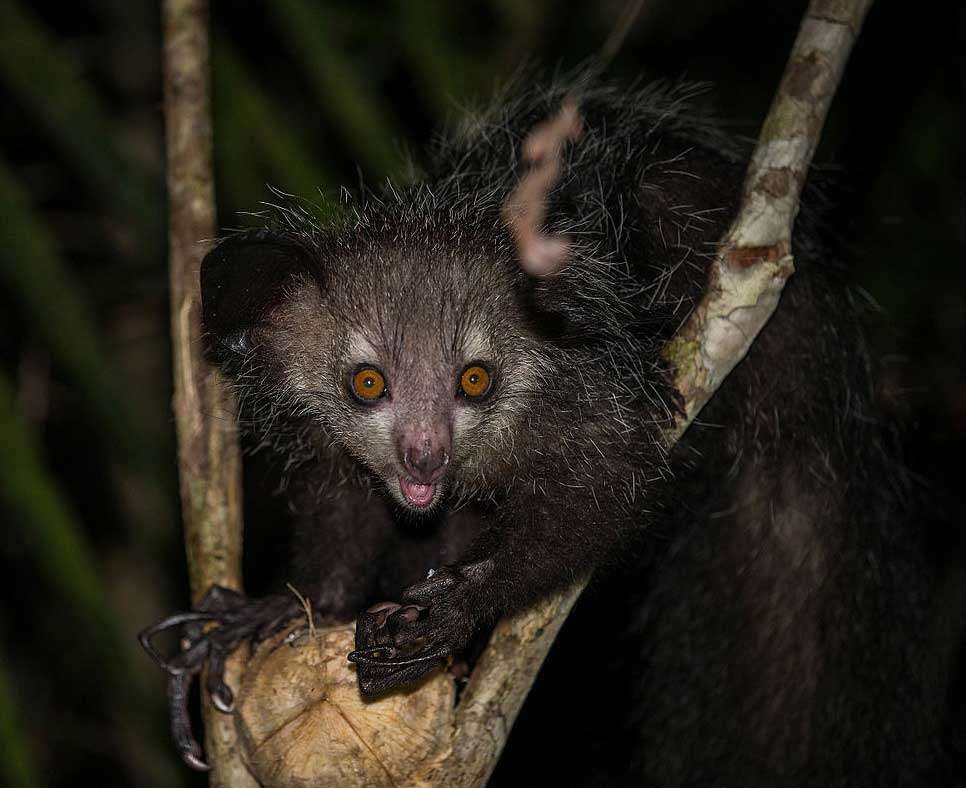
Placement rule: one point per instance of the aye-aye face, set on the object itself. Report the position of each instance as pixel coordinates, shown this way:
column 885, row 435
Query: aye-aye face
column 416, row 362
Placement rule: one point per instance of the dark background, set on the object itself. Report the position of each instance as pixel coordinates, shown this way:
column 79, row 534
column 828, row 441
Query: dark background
column 312, row 95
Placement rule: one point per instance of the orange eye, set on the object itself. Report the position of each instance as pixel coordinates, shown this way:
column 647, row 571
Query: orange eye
column 474, row 381
column 368, row 384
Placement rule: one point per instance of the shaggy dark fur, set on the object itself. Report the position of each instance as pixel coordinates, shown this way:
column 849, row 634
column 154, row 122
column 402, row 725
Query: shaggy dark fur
column 768, row 630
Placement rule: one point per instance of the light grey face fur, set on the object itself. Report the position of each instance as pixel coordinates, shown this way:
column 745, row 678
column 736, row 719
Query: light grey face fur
column 420, row 320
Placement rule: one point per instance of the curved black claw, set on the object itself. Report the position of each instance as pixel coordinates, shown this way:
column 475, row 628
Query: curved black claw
column 399, row 644
column 235, row 619
column 222, row 698
column 178, row 619
column 179, row 684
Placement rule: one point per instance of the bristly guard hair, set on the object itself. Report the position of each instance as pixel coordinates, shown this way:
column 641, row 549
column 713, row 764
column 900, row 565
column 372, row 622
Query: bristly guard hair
column 615, row 302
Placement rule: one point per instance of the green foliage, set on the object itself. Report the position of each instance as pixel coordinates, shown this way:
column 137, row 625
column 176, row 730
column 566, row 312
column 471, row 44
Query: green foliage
column 38, row 513
column 54, row 301
column 366, row 128
column 52, row 88
column 52, row 535
column 253, row 135
column 17, row 769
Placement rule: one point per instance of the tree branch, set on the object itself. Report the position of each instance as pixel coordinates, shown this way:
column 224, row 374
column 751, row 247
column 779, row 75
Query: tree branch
column 208, row 457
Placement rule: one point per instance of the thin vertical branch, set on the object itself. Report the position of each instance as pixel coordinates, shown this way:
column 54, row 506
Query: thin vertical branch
column 208, row 456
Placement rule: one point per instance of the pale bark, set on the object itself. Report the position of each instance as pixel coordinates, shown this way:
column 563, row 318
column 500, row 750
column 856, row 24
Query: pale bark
column 208, row 457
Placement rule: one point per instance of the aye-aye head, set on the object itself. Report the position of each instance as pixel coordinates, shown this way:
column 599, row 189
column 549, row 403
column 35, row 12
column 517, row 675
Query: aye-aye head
column 410, row 350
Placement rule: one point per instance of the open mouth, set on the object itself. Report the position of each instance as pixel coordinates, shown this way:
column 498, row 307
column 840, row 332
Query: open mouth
column 417, row 495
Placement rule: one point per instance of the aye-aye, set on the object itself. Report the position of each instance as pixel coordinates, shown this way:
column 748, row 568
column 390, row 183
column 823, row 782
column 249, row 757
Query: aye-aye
column 462, row 439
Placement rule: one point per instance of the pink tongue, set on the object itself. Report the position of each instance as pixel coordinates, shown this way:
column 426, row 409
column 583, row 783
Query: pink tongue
column 416, row 494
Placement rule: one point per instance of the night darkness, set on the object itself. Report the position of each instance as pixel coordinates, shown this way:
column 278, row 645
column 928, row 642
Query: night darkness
column 92, row 548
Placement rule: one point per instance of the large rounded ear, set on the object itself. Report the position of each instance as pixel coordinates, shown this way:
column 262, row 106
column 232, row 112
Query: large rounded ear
column 242, row 279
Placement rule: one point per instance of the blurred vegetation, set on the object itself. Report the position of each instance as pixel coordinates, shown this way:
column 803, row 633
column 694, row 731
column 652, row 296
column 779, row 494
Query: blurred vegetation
column 308, row 96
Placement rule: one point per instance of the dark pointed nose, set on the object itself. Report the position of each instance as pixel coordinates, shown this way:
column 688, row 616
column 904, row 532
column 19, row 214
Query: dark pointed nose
column 425, row 453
